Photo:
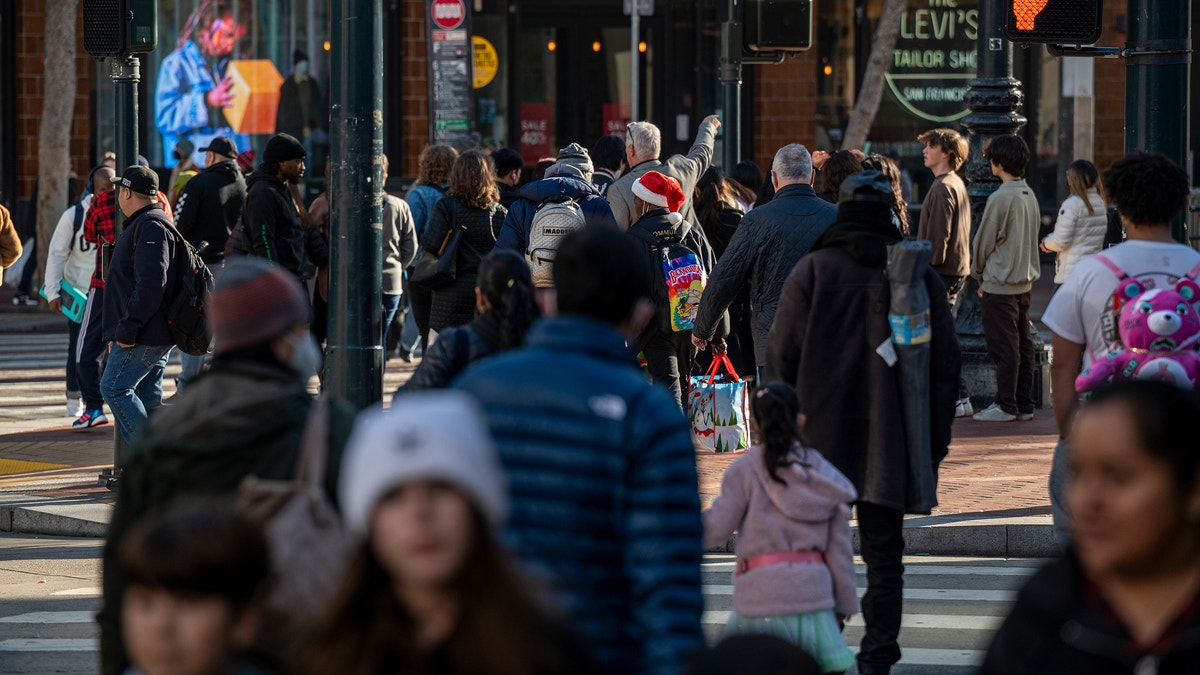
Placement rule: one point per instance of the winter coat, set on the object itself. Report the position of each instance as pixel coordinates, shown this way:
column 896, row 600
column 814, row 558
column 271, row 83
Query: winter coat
column 209, row 208
column 508, row 194
column 1056, row 628
column 519, row 221
column 455, row 349
column 454, row 305
column 271, row 228
column 810, row 511
column 602, row 479
column 421, row 200
column 1077, row 234
column 832, row 316
column 399, row 243
column 141, row 280
column 241, row 418
column 181, row 108
column 72, row 258
column 652, row 230
column 765, row 248
column 1004, row 252
column 687, row 169
column 946, row 224
column 10, row 242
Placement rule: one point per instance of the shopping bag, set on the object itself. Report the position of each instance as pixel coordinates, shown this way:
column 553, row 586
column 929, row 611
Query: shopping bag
column 719, row 409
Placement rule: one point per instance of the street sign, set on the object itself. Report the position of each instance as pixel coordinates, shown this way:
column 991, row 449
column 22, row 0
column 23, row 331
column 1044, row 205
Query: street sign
column 644, row 7
column 119, row 27
column 1069, row 22
column 448, row 14
column 778, row 25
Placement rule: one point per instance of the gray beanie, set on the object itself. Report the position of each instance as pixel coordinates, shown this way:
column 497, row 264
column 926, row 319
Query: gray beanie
column 576, row 155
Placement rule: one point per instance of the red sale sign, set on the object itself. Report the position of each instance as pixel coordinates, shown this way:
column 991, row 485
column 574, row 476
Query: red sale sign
column 448, row 14
column 616, row 118
column 536, row 131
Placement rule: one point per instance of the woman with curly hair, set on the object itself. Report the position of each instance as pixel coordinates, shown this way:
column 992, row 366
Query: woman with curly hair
column 838, row 167
column 885, row 166
column 471, row 204
column 433, row 177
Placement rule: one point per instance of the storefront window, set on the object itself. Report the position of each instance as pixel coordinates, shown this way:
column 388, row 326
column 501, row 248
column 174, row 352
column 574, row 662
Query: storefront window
column 239, row 68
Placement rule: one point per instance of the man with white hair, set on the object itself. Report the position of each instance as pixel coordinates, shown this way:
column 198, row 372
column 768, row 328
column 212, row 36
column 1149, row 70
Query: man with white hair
column 765, row 248
column 643, row 143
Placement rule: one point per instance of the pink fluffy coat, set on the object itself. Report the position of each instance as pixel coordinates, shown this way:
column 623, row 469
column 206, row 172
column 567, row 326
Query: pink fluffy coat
column 810, row 512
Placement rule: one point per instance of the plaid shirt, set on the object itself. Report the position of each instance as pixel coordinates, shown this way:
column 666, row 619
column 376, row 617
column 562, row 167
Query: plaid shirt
column 99, row 226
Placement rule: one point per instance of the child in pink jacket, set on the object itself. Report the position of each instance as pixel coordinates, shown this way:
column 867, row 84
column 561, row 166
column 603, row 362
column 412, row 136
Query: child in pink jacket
column 791, row 510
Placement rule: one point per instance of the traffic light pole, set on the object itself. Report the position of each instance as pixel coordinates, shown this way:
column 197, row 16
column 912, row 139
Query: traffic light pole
column 730, row 75
column 354, row 365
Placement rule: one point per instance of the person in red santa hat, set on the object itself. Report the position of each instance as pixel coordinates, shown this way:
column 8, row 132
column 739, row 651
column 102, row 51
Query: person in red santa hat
column 682, row 259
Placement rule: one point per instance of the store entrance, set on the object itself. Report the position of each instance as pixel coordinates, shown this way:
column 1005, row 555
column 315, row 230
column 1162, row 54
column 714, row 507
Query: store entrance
column 573, row 78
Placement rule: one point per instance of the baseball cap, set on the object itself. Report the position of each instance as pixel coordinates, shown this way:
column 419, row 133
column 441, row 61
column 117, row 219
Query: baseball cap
column 223, row 146
column 140, row 179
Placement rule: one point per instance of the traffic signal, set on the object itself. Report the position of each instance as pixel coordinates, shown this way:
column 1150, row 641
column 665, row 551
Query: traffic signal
column 115, row 28
column 778, row 25
column 1068, row 22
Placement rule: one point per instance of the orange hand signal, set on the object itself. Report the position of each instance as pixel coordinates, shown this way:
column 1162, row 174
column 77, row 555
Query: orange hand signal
column 1027, row 11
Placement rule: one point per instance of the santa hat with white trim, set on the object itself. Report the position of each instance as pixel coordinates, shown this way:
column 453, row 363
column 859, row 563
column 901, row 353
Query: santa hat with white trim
column 663, row 191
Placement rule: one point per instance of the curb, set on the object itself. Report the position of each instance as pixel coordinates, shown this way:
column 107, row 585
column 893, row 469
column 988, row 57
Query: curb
column 57, row 517
column 986, row 537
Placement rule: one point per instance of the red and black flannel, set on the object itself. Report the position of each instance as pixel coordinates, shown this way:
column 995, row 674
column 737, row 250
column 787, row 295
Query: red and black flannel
column 100, row 224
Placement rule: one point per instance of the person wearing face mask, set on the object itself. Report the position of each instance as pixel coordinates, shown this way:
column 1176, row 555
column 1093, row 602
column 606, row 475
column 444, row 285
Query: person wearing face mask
column 299, row 99
column 243, row 417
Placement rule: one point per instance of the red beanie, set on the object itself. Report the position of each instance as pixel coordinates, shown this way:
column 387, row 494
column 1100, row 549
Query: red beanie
column 659, row 190
column 252, row 302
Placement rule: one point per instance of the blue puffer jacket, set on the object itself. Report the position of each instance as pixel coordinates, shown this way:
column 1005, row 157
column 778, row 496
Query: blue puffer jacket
column 602, row 477
column 515, row 232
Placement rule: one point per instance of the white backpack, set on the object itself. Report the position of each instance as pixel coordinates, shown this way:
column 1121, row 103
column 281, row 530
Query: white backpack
column 555, row 218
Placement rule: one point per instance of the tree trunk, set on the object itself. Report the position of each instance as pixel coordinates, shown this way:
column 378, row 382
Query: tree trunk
column 58, row 111
column 871, row 91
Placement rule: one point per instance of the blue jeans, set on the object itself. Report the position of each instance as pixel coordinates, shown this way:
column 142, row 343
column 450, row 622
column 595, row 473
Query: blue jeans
column 132, row 383
column 1059, row 473
column 192, row 365
column 390, row 304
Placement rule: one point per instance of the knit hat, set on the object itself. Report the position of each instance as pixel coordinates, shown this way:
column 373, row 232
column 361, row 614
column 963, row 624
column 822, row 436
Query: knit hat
column 866, row 186
column 564, row 171
column 245, row 159
column 659, row 190
column 281, row 148
column 185, row 148
column 434, row 435
column 576, row 155
column 141, row 180
column 252, row 302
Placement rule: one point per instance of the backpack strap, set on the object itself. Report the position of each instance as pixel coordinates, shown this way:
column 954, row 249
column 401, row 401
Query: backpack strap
column 1194, row 272
column 1121, row 274
column 79, row 213
column 310, row 463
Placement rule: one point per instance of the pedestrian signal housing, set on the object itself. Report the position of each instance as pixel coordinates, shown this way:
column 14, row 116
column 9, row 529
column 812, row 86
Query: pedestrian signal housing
column 778, row 25
column 116, row 28
column 1069, row 22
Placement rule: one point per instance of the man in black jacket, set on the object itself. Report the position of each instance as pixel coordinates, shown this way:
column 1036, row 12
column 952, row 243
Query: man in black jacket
column 271, row 226
column 135, row 302
column 206, row 212
column 765, row 248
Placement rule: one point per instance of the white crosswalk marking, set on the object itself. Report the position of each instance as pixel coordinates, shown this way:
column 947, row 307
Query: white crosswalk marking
column 51, row 617
column 952, row 606
column 50, row 645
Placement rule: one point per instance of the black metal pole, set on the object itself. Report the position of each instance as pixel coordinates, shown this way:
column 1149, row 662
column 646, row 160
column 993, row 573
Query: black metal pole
column 1157, row 83
column 354, row 369
column 730, row 75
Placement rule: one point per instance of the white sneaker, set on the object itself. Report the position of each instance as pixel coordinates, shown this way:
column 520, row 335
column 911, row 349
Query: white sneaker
column 1024, row 417
column 74, row 407
column 962, row 408
column 993, row 413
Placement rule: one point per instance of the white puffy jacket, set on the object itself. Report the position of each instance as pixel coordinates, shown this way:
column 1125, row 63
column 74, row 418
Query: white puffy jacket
column 1077, row 234
column 71, row 256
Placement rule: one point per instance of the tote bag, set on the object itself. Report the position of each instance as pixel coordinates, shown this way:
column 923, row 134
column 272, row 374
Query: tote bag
column 719, row 409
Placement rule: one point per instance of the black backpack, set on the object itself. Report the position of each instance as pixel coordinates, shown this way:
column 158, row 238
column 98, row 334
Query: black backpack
column 186, row 308
column 679, row 280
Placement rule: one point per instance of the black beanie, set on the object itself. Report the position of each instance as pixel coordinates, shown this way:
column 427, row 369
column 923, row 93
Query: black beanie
column 281, row 148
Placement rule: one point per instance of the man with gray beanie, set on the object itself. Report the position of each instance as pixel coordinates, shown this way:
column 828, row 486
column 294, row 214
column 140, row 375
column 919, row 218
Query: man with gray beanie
column 270, row 227
column 245, row 416
column 568, row 179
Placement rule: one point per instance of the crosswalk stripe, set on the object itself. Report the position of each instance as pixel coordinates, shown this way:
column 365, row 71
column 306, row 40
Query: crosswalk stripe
column 914, row 570
column 962, row 658
column 50, row 645
column 51, row 617
column 938, row 621
column 949, row 594
column 88, row 590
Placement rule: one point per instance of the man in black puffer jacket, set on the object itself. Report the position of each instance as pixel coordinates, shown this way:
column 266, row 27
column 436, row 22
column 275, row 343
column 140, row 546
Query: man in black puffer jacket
column 271, row 226
column 765, row 248
column 211, row 203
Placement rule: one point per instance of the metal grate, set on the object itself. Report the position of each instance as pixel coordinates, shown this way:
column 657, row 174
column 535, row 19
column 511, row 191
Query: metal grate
column 1072, row 22
column 102, row 27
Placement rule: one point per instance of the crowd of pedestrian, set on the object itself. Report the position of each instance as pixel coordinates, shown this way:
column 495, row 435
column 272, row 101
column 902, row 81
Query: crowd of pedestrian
column 527, row 503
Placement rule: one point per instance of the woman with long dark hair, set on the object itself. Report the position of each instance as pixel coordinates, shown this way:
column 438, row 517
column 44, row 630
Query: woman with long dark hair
column 745, row 181
column 717, row 208
column 430, row 590
column 885, row 166
column 505, row 302
column 838, row 167
column 471, row 204
column 433, row 178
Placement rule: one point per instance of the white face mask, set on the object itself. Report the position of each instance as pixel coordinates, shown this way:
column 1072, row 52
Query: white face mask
column 306, row 354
